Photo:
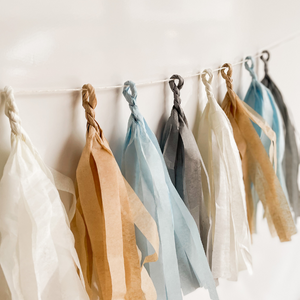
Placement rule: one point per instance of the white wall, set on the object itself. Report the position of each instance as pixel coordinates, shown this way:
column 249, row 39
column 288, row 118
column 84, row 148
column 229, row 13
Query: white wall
column 64, row 44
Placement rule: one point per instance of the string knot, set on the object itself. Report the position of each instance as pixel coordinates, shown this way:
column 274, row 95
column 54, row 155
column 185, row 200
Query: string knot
column 89, row 103
column 228, row 76
column 265, row 60
column 207, row 82
column 250, row 68
column 176, row 90
column 232, row 104
column 131, row 96
column 12, row 111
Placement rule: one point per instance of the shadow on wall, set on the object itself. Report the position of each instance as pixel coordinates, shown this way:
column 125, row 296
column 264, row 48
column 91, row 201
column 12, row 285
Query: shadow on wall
column 238, row 83
column 72, row 149
column 165, row 114
column 117, row 139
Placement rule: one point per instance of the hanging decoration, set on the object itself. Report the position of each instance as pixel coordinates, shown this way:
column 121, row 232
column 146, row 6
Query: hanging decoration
column 291, row 158
column 184, row 161
column 180, row 217
column 182, row 263
column 107, row 210
column 260, row 99
column 257, row 168
column 37, row 253
column 226, row 200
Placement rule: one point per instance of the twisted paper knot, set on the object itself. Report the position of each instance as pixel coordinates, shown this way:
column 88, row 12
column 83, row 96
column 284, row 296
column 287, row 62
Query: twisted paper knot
column 176, row 89
column 131, row 99
column 265, row 60
column 207, row 83
column 232, row 104
column 228, row 76
column 250, row 68
column 89, row 102
column 12, row 111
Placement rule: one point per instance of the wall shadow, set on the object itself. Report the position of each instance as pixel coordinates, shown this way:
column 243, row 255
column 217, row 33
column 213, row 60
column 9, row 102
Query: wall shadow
column 165, row 114
column 74, row 144
column 116, row 139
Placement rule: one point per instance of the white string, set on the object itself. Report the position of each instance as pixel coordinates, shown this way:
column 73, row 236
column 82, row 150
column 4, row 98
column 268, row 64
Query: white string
column 272, row 46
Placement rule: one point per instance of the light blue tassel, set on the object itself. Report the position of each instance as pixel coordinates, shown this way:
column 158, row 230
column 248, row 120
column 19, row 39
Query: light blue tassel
column 182, row 262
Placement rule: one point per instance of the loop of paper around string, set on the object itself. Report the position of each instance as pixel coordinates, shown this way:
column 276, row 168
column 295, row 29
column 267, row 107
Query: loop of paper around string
column 207, row 82
column 227, row 76
column 130, row 97
column 130, row 94
column 176, row 89
column 210, row 76
column 263, row 57
column 12, row 112
column 89, row 102
column 265, row 60
column 250, row 68
column 173, row 84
